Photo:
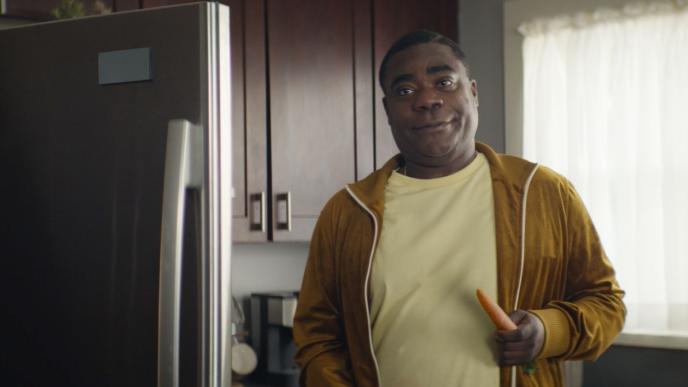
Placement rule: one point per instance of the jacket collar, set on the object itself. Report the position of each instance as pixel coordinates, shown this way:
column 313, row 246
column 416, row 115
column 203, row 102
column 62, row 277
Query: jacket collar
column 371, row 190
column 509, row 171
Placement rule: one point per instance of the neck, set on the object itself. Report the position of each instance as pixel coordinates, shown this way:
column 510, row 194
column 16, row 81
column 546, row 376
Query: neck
column 420, row 171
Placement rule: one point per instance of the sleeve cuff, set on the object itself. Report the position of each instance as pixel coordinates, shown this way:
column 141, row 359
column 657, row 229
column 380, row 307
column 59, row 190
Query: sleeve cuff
column 557, row 332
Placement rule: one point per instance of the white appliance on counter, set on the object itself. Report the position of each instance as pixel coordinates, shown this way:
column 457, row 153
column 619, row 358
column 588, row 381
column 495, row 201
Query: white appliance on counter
column 115, row 157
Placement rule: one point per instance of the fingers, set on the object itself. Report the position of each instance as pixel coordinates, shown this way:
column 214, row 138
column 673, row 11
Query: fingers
column 526, row 328
column 514, row 358
column 517, row 346
column 511, row 336
column 522, row 344
column 519, row 352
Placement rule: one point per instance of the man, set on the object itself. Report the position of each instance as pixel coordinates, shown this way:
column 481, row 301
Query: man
column 388, row 295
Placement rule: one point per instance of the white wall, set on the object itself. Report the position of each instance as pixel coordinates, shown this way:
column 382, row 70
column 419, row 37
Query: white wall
column 480, row 36
column 263, row 267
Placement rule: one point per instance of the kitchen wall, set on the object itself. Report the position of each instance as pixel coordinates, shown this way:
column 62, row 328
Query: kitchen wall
column 480, row 36
column 264, row 267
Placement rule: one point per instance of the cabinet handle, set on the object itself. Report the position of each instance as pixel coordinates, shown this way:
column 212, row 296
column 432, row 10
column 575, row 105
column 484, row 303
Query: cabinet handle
column 260, row 224
column 286, row 197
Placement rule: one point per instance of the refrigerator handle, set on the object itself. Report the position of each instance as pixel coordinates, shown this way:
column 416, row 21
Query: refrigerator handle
column 183, row 169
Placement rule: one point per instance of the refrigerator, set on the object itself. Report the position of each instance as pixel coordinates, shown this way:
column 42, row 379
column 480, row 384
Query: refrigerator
column 115, row 200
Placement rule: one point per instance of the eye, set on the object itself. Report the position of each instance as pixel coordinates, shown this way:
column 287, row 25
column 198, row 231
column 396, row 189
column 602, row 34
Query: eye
column 402, row 91
column 447, row 82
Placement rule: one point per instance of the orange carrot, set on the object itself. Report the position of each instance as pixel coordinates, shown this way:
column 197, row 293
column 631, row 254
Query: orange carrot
column 502, row 321
column 496, row 314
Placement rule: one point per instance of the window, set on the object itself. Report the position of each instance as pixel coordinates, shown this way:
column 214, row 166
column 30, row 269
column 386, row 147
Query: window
column 605, row 103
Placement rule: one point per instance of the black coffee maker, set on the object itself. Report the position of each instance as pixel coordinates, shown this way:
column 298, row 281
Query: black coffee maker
column 272, row 318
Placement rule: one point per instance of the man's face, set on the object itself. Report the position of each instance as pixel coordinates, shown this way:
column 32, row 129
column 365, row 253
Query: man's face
column 431, row 104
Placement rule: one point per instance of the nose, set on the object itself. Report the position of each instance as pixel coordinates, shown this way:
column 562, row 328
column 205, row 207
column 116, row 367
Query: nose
column 428, row 99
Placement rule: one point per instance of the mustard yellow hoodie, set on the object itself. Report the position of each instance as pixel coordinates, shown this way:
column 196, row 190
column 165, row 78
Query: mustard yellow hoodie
column 549, row 261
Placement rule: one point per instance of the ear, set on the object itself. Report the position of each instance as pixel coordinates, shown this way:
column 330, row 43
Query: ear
column 474, row 92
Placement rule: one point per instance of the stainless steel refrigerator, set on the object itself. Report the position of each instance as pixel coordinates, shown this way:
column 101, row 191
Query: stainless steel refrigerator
column 115, row 200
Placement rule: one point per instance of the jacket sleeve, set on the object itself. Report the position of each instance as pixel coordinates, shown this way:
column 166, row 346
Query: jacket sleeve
column 584, row 324
column 321, row 353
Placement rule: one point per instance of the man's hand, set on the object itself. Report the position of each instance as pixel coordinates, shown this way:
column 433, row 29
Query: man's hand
column 523, row 344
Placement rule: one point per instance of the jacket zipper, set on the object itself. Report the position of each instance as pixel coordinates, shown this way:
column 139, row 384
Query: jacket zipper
column 367, row 279
column 523, row 252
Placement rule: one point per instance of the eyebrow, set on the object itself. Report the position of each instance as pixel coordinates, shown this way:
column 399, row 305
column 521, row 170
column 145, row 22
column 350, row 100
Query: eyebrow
column 401, row 78
column 430, row 70
column 439, row 69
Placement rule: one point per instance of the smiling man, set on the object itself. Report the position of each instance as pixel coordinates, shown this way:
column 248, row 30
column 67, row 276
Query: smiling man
column 432, row 108
column 388, row 293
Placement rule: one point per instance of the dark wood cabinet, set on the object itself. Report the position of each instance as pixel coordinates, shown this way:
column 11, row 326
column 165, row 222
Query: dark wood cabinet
column 312, row 67
column 249, row 121
column 32, row 9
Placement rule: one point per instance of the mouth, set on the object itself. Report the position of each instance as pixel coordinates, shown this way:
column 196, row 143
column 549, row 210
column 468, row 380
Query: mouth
column 431, row 126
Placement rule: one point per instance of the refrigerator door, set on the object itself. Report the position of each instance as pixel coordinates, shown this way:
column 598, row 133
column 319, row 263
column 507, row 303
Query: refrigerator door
column 86, row 111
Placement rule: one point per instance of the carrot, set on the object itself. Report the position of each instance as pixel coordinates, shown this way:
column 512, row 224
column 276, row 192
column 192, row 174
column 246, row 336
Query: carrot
column 496, row 314
column 502, row 321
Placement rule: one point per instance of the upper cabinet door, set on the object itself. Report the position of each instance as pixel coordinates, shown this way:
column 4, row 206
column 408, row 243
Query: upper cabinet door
column 311, row 70
column 394, row 18
column 249, row 121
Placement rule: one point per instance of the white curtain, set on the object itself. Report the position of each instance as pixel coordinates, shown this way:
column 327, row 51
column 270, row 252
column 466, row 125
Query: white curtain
column 606, row 105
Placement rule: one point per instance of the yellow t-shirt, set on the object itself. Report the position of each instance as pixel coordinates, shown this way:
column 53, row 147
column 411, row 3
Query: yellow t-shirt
column 437, row 245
